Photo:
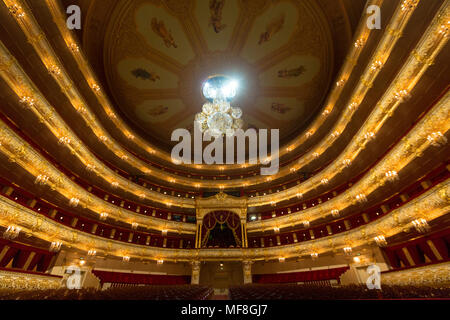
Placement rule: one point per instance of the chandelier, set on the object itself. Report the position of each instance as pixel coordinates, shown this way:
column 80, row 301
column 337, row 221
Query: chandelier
column 218, row 117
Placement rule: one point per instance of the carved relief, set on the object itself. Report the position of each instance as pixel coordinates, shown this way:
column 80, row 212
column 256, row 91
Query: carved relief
column 216, row 7
column 291, row 73
column 160, row 29
column 271, row 29
column 143, row 74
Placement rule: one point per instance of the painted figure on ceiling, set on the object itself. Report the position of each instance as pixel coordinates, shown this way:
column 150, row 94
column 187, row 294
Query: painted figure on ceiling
column 216, row 7
column 280, row 108
column 271, row 29
column 145, row 75
column 160, row 29
column 157, row 110
column 286, row 73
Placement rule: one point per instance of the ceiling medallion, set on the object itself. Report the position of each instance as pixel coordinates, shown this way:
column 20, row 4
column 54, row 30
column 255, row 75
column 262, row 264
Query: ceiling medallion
column 218, row 117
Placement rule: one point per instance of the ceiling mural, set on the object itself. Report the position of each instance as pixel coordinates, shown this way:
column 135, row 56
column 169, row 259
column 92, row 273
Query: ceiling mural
column 156, row 55
column 217, row 20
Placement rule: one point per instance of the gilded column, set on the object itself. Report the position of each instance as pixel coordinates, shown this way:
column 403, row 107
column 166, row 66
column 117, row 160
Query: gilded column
column 195, row 277
column 244, row 233
column 247, row 269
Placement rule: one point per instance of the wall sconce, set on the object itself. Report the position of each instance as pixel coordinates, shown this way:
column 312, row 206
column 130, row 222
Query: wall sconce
column 74, row 47
column 437, row 139
column 55, row 246
column 391, row 175
column 12, row 232
column 41, row 180
column 402, row 95
column 359, row 43
column 64, row 140
column 361, row 198
column 421, row 225
column 74, row 202
column 346, row 162
column 380, row 241
column 369, row 136
column 408, row 5
column 377, row 65
column 27, row 101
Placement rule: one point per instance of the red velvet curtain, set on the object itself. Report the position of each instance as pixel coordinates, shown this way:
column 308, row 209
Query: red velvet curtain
column 8, row 256
column 135, row 278
column 229, row 218
column 440, row 245
column 21, row 258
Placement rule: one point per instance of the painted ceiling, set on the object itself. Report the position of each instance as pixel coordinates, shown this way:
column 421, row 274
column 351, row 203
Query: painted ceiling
column 156, row 55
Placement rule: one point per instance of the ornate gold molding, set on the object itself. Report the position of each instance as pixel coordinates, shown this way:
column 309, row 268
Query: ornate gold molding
column 221, row 201
column 429, row 206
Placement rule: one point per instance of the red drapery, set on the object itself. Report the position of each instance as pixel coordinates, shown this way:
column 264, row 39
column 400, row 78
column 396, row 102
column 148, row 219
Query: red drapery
column 137, row 278
column 229, row 218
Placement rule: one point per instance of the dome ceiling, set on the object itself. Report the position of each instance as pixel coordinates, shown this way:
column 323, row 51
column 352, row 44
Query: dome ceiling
column 156, row 55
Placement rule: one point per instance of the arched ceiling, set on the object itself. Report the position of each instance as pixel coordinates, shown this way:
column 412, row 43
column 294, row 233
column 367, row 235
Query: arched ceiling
column 156, row 54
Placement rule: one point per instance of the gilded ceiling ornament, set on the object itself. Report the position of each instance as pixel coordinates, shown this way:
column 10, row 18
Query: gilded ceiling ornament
column 160, row 29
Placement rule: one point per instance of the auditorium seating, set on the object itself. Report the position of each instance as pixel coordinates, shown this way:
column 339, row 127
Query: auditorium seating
column 245, row 292
column 304, row 276
column 139, row 278
column 179, row 292
column 315, row 292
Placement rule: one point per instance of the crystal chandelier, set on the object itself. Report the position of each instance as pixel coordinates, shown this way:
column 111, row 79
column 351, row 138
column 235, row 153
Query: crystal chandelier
column 218, row 117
